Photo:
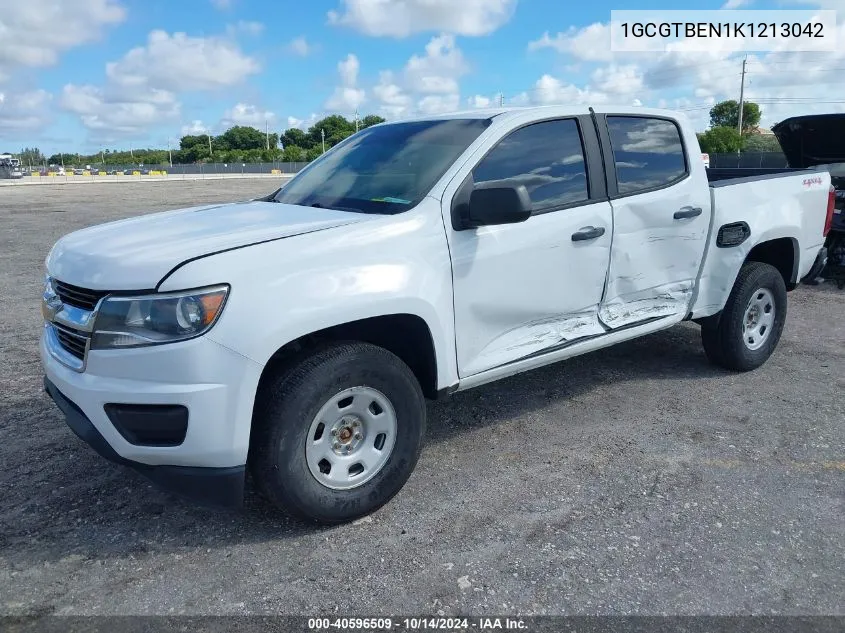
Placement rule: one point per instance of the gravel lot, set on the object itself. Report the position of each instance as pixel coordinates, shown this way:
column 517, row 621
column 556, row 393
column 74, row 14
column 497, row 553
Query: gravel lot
column 638, row 479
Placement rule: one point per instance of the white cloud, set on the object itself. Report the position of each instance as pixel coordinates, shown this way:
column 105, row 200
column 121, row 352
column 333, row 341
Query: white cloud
column 141, row 89
column 401, row 18
column 435, row 104
column 180, row 62
column 591, row 43
column 245, row 114
column 107, row 114
column 35, row 34
column 439, row 70
column 395, row 102
column 23, row 114
column 618, row 80
column 479, row 101
column 348, row 70
column 195, row 128
column 347, row 97
column 300, row 46
column 302, row 124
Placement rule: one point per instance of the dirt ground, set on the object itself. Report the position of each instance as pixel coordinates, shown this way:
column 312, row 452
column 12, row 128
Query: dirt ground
column 638, row 479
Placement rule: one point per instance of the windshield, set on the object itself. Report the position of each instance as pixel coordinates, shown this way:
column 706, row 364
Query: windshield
column 385, row 169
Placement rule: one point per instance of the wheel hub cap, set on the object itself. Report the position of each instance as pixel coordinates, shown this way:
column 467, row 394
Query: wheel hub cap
column 759, row 319
column 351, row 438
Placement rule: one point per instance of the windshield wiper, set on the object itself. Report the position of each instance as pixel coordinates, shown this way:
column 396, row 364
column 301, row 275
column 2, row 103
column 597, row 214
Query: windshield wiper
column 317, row 205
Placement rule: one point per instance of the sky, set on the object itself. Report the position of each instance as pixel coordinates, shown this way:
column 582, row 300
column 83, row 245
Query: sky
column 81, row 76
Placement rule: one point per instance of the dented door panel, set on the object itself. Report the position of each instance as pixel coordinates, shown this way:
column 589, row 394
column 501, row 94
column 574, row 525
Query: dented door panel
column 661, row 219
column 523, row 288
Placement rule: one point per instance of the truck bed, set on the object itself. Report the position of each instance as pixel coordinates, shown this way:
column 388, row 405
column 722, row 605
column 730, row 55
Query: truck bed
column 745, row 174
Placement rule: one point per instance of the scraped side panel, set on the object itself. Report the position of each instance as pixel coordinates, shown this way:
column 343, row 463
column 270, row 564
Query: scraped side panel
column 537, row 336
column 651, row 303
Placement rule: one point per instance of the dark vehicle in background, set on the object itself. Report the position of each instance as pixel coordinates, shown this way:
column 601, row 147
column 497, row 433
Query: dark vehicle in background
column 818, row 140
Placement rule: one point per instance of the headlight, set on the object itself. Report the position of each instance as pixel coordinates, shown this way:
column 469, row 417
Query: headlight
column 158, row 318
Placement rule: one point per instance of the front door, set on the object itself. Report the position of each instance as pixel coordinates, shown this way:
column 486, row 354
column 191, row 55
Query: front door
column 526, row 289
column 661, row 218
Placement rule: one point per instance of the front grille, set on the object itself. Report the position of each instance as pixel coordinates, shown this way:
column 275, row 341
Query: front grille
column 72, row 340
column 76, row 296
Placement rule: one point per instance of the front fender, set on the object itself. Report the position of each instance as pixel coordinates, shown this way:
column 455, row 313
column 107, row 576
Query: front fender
column 283, row 290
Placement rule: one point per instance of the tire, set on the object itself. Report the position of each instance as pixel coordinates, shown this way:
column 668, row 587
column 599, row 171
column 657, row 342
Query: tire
column 725, row 339
column 288, row 438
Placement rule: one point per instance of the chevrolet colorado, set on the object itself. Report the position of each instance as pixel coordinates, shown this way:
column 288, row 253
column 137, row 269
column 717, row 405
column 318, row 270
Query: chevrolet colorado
column 298, row 335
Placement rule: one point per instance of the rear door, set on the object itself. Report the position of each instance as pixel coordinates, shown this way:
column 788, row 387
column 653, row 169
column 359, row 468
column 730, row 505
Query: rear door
column 661, row 217
column 526, row 289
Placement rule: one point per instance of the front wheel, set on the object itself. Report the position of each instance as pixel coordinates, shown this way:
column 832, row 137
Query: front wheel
column 337, row 435
column 746, row 332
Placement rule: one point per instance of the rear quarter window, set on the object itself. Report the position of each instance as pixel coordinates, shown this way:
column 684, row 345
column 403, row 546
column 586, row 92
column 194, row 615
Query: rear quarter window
column 648, row 153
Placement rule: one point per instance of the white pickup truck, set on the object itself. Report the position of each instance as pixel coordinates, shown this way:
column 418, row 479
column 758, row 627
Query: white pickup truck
column 298, row 335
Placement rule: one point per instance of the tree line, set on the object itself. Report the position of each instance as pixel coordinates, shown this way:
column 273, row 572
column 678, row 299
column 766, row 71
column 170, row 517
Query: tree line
column 724, row 137
column 238, row 144
column 245, row 144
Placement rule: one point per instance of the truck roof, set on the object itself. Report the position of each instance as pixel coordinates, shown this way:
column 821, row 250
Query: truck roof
column 543, row 110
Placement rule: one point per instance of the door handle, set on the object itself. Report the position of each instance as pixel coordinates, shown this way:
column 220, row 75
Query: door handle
column 687, row 212
column 588, row 233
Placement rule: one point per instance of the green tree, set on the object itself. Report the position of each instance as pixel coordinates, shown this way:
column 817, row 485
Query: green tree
column 293, row 154
column 726, row 114
column 244, row 137
column 371, row 119
column 761, row 143
column 294, row 137
column 335, row 127
column 720, row 140
column 31, row 156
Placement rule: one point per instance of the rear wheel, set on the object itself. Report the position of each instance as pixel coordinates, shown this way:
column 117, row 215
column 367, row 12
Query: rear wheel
column 337, row 435
column 747, row 331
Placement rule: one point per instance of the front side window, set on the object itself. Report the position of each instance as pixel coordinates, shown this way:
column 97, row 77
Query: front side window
column 385, row 169
column 547, row 157
column 648, row 153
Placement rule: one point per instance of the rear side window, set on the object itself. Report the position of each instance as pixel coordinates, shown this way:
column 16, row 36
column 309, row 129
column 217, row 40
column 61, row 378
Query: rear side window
column 547, row 157
column 648, row 152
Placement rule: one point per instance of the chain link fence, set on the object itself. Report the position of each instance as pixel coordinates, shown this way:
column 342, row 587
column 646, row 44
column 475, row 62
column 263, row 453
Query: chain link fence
column 193, row 170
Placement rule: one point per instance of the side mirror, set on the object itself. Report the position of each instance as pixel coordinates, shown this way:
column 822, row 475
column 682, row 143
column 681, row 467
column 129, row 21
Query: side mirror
column 498, row 205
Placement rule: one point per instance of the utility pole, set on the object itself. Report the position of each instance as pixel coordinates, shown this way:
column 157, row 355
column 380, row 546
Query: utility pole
column 102, row 156
column 131, row 153
column 501, row 99
column 742, row 94
column 356, row 119
column 210, row 151
column 267, row 133
column 323, row 138
column 169, row 152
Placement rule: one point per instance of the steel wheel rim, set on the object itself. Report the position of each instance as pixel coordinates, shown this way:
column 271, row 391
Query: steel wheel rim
column 351, row 438
column 759, row 319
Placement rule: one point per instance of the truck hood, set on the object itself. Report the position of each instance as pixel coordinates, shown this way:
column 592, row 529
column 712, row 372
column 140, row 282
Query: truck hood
column 812, row 140
column 136, row 253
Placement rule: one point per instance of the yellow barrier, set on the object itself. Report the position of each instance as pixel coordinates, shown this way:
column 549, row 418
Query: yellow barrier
column 103, row 173
column 35, row 173
column 52, row 173
column 119, row 173
column 275, row 171
column 136, row 173
column 86, row 173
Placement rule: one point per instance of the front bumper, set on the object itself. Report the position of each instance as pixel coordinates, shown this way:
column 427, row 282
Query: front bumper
column 213, row 486
column 216, row 385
